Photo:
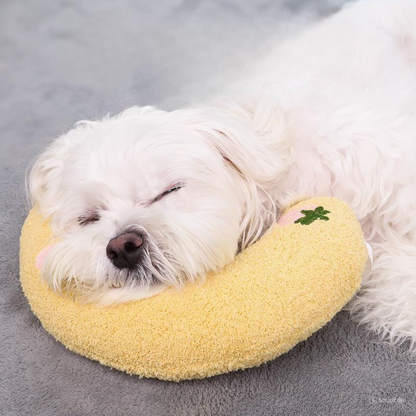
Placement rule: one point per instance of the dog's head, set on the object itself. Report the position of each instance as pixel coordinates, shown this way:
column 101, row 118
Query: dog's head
column 150, row 198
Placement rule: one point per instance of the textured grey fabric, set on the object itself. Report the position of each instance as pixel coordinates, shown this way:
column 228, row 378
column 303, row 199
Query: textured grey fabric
column 61, row 61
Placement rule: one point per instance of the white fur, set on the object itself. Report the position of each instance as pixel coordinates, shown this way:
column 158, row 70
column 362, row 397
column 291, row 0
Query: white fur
column 332, row 112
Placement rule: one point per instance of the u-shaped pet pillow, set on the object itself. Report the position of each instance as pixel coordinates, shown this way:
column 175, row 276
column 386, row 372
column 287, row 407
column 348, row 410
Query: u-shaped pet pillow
column 272, row 296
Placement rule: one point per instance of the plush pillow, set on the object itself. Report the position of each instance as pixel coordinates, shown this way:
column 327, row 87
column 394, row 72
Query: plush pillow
column 272, row 296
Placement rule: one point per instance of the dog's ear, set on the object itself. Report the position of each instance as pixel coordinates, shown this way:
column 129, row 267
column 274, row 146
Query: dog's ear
column 44, row 179
column 255, row 142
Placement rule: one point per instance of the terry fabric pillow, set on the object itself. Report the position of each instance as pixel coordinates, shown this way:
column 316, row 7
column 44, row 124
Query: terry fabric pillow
column 272, row 296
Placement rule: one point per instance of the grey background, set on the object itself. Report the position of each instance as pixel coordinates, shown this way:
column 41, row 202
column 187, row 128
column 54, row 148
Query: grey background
column 61, row 61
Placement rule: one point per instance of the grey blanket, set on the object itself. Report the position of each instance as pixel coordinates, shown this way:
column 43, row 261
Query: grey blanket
column 65, row 60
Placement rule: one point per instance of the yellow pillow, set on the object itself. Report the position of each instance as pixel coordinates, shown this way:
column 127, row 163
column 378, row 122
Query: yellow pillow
column 274, row 295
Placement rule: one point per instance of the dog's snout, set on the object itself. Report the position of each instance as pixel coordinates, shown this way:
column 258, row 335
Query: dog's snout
column 124, row 250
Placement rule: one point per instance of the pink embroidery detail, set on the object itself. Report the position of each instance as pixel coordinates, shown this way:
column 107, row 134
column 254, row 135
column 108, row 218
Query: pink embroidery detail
column 40, row 259
column 293, row 215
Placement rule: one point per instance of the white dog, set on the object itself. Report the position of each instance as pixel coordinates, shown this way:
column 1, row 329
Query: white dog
column 150, row 198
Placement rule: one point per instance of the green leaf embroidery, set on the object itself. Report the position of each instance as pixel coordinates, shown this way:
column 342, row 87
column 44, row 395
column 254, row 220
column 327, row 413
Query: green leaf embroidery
column 318, row 213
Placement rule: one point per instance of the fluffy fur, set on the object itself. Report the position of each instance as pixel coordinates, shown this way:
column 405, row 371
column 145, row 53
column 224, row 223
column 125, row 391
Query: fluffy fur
column 331, row 112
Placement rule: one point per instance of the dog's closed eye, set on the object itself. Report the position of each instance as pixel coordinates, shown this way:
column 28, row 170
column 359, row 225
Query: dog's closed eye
column 173, row 189
column 88, row 218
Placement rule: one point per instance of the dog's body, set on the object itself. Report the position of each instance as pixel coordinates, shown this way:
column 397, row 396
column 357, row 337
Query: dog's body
column 175, row 195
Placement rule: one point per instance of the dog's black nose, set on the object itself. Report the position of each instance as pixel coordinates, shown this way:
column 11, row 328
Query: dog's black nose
column 124, row 250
